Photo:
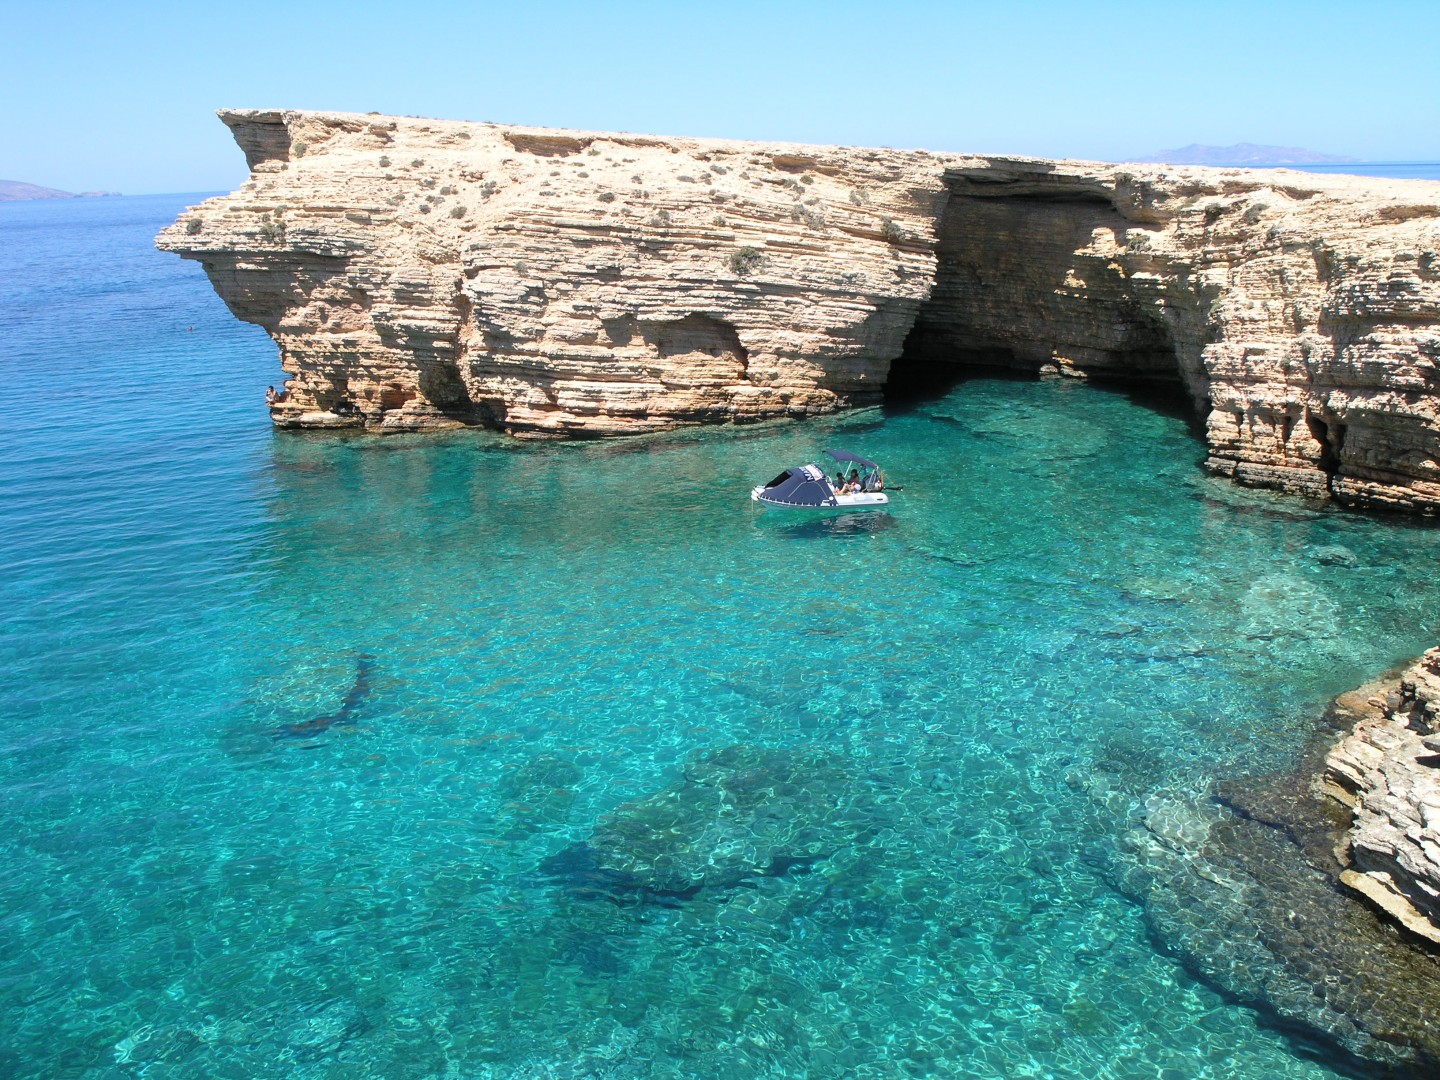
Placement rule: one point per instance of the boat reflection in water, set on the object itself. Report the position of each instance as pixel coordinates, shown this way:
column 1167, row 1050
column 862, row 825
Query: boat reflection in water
column 849, row 525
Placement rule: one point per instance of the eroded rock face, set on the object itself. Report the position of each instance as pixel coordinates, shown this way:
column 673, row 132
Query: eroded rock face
column 419, row 273
column 1388, row 771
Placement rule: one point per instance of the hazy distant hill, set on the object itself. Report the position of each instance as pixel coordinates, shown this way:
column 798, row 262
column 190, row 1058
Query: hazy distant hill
column 1243, row 154
column 12, row 190
column 15, row 191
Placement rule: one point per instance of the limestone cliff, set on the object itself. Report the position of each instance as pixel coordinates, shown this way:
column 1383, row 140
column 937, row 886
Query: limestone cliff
column 554, row 283
column 1388, row 771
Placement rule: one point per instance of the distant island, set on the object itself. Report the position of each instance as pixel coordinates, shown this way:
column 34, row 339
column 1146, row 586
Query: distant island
column 1243, row 154
column 16, row 191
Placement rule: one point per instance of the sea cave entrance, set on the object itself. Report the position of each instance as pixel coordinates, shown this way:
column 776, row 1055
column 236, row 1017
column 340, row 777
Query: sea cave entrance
column 1032, row 278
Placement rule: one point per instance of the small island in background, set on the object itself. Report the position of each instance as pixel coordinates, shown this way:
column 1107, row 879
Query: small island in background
column 1243, row 154
column 17, row 191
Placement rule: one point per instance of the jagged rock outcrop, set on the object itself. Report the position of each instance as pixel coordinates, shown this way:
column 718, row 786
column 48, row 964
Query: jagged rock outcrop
column 552, row 283
column 1388, row 771
column 1239, row 882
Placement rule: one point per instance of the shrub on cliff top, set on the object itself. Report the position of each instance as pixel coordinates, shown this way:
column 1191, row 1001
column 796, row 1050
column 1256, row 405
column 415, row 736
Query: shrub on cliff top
column 457, row 211
column 744, row 260
column 606, row 196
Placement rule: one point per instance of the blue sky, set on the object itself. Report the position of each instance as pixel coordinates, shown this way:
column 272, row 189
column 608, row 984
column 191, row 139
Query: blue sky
column 121, row 97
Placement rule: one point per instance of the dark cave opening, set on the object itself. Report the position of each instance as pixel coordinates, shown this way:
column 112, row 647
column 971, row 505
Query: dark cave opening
column 911, row 385
column 1027, row 284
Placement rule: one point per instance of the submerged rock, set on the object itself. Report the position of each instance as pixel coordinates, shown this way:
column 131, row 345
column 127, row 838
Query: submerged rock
column 737, row 813
column 1334, row 555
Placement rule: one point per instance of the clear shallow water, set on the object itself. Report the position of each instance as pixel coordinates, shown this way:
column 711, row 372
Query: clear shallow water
column 1060, row 615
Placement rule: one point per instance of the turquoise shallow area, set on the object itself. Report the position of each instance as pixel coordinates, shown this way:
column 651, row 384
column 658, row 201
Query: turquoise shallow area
column 1060, row 614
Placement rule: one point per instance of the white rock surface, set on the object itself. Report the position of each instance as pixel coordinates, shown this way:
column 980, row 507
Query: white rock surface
column 1384, row 771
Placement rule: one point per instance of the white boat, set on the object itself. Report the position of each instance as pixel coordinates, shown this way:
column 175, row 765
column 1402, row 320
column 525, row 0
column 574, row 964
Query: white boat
column 858, row 484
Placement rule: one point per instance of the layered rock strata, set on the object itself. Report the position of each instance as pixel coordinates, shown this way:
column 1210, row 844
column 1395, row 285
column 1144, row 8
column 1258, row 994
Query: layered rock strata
column 417, row 273
column 1387, row 770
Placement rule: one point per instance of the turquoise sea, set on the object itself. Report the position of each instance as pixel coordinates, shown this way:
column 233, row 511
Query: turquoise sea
column 953, row 710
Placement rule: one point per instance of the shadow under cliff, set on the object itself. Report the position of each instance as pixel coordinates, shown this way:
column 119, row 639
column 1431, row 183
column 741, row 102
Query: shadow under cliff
column 916, row 383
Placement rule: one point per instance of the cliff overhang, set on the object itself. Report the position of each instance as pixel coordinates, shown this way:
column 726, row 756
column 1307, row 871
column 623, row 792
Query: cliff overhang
column 421, row 273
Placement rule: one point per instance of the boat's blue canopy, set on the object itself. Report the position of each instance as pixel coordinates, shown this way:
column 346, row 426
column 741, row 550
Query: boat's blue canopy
column 845, row 455
column 804, row 486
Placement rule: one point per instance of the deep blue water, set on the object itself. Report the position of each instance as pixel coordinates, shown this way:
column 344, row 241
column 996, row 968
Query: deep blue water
column 1060, row 614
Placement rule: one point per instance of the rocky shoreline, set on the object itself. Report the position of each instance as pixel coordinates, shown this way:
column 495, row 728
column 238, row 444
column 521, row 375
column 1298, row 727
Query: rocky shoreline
column 1387, row 771
column 1250, row 887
